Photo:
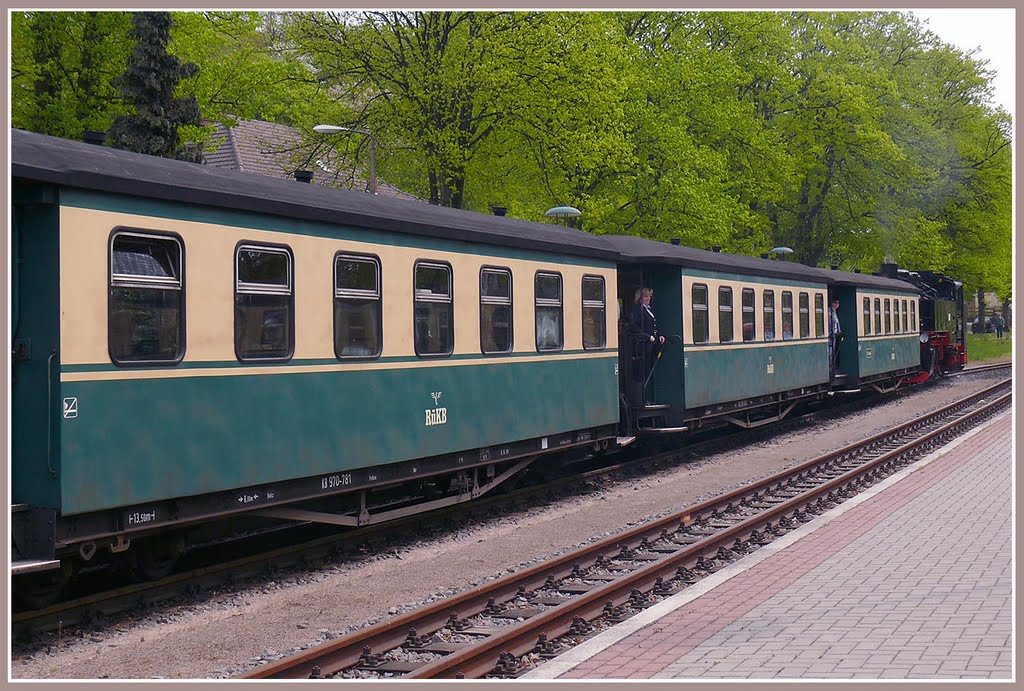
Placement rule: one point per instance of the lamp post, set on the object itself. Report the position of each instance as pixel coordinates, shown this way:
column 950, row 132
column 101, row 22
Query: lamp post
column 337, row 129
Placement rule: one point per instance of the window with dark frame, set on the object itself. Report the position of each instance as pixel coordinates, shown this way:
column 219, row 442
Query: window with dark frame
column 264, row 303
column 768, row 307
column 913, row 315
column 888, row 317
column 699, row 313
column 547, row 292
column 146, row 320
column 358, row 332
column 724, row 314
column 906, row 327
column 593, row 312
column 819, row 315
column 895, row 316
column 749, row 327
column 805, row 315
column 878, row 316
column 495, row 310
column 787, row 315
column 434, row 317
column 867, row 316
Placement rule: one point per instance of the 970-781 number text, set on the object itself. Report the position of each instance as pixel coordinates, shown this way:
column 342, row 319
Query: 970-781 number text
column 332, row 481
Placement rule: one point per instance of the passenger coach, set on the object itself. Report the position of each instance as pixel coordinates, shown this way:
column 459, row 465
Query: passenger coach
column 191, row 343
column 748, row 337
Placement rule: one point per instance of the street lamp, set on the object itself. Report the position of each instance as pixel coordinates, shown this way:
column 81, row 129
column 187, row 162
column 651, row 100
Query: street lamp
column 337, row 129
column 565, row 212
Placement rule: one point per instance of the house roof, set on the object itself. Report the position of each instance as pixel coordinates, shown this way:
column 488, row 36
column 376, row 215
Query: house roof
column 267, row 148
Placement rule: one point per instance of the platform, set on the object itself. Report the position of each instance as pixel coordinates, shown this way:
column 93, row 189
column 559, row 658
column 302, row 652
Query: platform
column 910, row 580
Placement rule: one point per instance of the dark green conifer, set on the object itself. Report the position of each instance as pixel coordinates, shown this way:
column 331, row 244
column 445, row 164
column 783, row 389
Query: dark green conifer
column 149, row 83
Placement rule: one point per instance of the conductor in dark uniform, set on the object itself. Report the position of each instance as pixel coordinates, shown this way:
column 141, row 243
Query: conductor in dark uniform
column 645, row 330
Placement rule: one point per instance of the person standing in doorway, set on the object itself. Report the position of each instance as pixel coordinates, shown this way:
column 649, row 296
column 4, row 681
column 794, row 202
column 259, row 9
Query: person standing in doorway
column 835, row 334
column 645, row 329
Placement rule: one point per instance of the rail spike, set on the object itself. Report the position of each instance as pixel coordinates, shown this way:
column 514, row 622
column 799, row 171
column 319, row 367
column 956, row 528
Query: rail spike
column 580, row 626
column 508, row 665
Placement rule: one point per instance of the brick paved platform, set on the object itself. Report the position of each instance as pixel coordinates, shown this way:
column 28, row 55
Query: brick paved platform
column 911, row 580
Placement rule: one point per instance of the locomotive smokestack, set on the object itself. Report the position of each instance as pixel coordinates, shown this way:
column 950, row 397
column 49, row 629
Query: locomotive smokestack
column 304, row 176
column 888, row 269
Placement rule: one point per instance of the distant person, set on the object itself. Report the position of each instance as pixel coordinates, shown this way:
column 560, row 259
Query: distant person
column 999, row 326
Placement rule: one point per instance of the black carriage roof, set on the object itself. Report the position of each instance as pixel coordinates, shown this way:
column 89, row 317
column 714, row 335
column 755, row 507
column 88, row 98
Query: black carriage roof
column 88, row 166
column 643, row 250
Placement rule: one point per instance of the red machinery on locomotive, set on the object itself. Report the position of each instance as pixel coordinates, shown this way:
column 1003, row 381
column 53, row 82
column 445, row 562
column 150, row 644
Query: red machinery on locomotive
column 943, row 329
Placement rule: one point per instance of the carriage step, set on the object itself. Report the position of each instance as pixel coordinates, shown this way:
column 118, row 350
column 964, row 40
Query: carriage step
column 662, row 430
column 32, row 565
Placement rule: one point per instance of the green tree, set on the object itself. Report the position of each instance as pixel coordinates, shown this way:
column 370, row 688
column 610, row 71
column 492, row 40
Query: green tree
column 62, row 69
column 149, row 84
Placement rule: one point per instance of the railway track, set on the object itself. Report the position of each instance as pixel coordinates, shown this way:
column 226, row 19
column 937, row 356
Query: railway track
column 96, row 607
column 501, row 628
column 979, row 369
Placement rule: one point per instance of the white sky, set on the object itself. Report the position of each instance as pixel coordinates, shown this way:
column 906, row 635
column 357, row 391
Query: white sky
column 991, row 30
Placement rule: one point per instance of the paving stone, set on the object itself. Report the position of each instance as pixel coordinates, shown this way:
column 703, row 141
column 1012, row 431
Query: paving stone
column 886, row 590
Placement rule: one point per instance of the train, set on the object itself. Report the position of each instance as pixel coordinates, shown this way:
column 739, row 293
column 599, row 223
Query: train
column 194, row 347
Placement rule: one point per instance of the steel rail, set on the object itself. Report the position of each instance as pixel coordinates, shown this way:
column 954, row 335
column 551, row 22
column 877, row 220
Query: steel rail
column 479, row 658
column 345, row 652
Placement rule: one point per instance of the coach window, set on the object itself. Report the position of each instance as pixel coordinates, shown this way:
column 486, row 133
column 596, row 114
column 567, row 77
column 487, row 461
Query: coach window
column 906, row 329
column 787, row 315
column 147, row 299
column 888, row 317
column 819, row 315
column 433, row 323
column 805, row 316
column 495, row 310
column 547, row 294
column 913, row 315
column 867, row 316
column 593, row 312
column 357, row 306
column 699, row 312
column 264, row 303
column 748, row 314
column 724, row 314
column 878, row 316
column 895, row 316
column 768, row 307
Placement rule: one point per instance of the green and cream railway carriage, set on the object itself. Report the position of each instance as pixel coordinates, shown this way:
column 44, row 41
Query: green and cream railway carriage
column 193, row 342
column 754, row 334
column 881, row 345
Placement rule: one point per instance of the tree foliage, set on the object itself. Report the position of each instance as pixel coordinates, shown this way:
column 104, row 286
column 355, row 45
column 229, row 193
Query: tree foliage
column 852, row 137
